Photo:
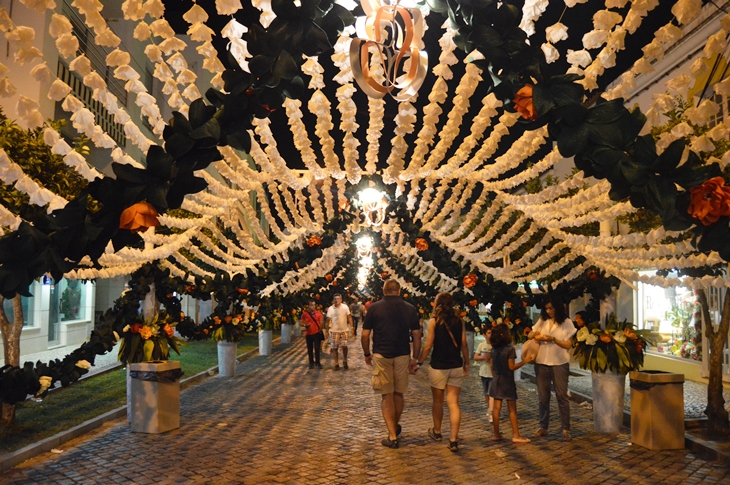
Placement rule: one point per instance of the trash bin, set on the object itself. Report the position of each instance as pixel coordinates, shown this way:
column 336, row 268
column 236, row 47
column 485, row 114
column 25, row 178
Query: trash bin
column 155, row 396
column 657, row 410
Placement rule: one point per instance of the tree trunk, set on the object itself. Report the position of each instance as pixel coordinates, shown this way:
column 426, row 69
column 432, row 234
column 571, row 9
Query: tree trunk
column 717, row 416
column 11, row 348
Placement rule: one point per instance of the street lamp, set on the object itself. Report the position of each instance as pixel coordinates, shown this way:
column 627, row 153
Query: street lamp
column 364, row 246
column 373, row 203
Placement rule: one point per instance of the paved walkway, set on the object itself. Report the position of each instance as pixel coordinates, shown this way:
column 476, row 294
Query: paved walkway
column 278, row 422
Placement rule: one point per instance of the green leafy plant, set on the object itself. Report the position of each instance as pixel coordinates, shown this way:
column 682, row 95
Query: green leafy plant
column 149, row 340
column 615, row 347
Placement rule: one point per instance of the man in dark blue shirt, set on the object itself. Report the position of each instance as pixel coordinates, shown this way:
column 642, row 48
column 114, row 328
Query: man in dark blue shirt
column 392, row 322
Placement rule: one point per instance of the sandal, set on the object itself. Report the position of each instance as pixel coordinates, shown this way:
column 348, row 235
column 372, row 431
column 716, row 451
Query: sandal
column 453, row 446
column 539, row 433
column 389, row 443
column 520, row 440
column 434, row 435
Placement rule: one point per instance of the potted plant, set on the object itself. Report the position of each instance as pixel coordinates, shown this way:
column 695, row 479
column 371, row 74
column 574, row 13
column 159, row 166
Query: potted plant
column 296, row 315
column 280, row 319
column 265, row 326
column 609, row 351
column 154, row 388
column 227, row 330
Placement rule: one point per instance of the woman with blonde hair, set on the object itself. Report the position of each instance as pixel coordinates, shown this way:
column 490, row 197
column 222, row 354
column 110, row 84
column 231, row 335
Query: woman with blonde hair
column 449, row 365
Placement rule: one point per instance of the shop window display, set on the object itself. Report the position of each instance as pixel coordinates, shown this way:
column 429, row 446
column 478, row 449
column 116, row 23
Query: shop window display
column 674, row 318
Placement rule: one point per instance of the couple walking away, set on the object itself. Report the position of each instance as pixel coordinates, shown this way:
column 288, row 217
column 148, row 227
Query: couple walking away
column 392, row 322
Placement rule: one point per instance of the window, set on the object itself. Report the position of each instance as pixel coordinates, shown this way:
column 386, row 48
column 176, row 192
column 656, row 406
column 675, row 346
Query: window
column 717, row 119
column 27, row 304
column 673, row 317
column 72, row 300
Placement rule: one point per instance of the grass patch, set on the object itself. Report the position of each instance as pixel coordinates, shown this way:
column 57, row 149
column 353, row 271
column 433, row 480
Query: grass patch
column 65, row 408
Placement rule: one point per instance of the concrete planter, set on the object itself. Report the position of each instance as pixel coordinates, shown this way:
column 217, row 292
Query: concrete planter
column 286, row 333
column 155, row 396
column 265, row 338
column 226, row 359
column 608, row 401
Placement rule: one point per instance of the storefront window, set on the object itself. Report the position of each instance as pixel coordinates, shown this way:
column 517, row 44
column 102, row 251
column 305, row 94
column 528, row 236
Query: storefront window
column 72, row 300
column 26, row 303
column 672, row 315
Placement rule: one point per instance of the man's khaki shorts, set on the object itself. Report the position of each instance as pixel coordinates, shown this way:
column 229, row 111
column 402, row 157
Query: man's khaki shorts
column 440, row 378
column 390, row 375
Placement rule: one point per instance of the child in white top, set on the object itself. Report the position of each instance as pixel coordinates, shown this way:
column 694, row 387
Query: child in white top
column 483, row 355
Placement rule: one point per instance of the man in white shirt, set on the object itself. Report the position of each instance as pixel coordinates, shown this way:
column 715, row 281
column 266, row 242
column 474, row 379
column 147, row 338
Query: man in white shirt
column 339, row 321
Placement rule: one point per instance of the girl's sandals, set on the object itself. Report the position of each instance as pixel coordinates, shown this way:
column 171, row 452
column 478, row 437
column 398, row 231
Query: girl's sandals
column 520, row 440
column 434, row 435
column 453, row 446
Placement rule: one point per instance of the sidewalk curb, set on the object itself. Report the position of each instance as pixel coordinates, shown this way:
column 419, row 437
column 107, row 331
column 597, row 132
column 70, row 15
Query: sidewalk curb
column 12, row 459
column 698, row 446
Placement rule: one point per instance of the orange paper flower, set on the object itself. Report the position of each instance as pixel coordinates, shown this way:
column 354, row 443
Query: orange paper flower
column 630, row 334
column 189, row 288
column 710, row 201
column 384, row 275
column 228, row 319
column 523, row 103
column 328, row 277
column 527, row 331
column 168, row 330
column 606, row 338
column 335, row 283
column 145, row 332
column 462, row 314
column 473, row 303
column 317, row 297
column 421, row 244
column 313, row 241
column 405, row 295
column 592, row 274
column 139, row 217
column 639, row 345
column 217, row 320
column 470, row 280
column 135, row 328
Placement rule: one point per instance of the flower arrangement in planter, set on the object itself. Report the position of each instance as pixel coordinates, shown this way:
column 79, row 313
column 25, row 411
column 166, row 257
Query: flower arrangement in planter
column 261, row 322
column 149, row 340
column 616, row 348
column 189, row 330
column 226, row 328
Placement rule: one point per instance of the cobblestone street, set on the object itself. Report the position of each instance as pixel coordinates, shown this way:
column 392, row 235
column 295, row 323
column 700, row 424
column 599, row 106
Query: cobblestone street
column 279, row 422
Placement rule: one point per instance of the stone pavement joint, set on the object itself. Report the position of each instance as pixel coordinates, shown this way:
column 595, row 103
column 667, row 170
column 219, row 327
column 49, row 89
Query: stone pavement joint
column 287, row 424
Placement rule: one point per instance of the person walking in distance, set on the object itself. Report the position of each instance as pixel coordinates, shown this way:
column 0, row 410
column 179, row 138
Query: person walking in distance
column 339, row 321
column 312, row 319
column 356, row 310
column 392, row 322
